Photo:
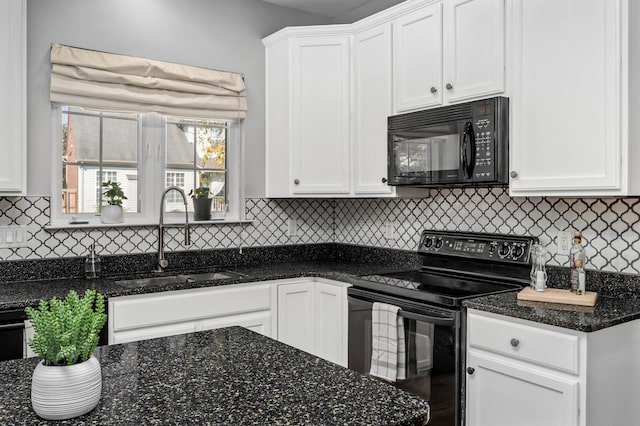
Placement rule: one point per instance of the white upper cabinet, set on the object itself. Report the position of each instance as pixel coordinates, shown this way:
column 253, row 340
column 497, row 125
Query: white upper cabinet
column 474, row 49
column 417, row 59
column 372, row 105
column 447, row 52
column 320, row 114
column 308, row 112
column 570, row 98
column 13, row 47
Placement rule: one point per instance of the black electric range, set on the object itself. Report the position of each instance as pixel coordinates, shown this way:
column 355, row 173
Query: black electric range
column 458, row 266
column 455, row 266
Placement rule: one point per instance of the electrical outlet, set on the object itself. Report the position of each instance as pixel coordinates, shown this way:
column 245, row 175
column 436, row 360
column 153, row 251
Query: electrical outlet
column 292, row 228
column 390, row 231
column 563, row 242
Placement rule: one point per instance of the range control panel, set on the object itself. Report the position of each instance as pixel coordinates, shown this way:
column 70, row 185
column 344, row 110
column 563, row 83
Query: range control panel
column 507, row 248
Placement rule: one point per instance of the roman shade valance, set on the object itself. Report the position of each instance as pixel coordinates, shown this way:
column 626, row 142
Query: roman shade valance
column 108, row 81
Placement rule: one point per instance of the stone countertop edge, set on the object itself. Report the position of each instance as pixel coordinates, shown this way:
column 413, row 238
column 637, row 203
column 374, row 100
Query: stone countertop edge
column 607, row 312
column 224, row 376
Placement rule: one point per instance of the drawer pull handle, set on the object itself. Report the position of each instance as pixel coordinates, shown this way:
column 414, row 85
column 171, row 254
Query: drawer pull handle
column 515, row 342
column 471, row 370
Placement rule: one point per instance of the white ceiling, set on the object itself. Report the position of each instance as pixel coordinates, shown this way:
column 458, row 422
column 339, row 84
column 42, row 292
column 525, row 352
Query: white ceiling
column 330, row 8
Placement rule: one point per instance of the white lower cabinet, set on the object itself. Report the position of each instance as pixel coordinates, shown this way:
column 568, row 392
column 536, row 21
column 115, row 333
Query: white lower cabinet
column 529, row 374
column 169, row 313
column 307, row 313
column 312, row 316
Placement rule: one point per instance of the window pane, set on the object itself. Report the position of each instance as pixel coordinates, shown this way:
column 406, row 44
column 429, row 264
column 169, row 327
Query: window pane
column 98, row 147
column 197, row 150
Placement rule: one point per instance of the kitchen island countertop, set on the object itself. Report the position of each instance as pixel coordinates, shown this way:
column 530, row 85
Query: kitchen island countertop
column 217, row 377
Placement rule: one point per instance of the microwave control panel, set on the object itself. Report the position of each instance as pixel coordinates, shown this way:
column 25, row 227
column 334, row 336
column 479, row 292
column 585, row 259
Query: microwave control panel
column 483, row 125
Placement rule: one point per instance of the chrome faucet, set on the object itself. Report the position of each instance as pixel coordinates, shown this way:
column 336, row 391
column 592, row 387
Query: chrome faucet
column 162, row 262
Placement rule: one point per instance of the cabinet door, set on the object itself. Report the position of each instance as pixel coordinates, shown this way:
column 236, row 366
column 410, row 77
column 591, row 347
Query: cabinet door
column 330, row 323
column 500, row 393
column 565, row 103
column 372, row 106
column 320, row 119
column 474, row 52
column 296, row 315
column 417, row 59
column 13, row 38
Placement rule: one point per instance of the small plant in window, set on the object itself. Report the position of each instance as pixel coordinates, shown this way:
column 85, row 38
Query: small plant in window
column 200, row 192
column 113, row 193
column 113, row 196
column 201, row 203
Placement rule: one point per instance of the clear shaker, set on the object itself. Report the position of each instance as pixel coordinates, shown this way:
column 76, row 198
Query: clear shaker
column 538, row 271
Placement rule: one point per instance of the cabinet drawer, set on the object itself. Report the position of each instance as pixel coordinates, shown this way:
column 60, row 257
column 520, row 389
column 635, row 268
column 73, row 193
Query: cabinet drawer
column 130, row 312
column 537, row 345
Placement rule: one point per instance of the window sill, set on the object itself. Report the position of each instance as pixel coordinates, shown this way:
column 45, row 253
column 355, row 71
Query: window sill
column 167, row 224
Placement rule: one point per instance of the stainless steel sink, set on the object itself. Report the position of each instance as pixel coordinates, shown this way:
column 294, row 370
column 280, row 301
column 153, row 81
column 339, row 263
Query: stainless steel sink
column 176, row 279
column 209, row 276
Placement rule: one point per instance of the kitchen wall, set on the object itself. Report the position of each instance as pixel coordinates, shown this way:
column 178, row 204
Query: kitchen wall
column 611, row 226
column 220, row 34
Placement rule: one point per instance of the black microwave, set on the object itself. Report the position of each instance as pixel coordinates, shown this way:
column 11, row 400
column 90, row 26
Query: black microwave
column 465, row 144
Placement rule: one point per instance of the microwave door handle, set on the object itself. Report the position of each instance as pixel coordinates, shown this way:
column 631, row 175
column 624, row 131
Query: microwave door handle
column 468, row 150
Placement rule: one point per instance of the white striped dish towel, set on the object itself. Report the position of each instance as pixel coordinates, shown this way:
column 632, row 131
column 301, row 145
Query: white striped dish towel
column 388, row 345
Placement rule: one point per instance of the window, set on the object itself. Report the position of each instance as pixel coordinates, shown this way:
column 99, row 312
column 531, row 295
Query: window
column 91, row 143
column 145, row 153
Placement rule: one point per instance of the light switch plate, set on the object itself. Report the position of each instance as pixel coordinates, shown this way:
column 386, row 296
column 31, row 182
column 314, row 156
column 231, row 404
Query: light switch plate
column 292, row 227
column 14, row 236
column 390, row 231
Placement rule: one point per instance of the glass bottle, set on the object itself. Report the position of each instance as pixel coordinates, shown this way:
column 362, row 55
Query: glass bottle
column 92, row 265
column 576, row 256
column 538, row 271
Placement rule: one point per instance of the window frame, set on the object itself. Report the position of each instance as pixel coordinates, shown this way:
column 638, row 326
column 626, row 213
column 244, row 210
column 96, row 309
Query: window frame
column 151, row 176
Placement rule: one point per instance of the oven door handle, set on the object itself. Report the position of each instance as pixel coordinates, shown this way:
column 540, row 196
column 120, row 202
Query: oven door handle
column 445, row 322
column 13, row 326
column 435, row 320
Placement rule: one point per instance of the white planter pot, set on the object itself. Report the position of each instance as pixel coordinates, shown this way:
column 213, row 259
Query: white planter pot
column 64, row 392
column 111, row 214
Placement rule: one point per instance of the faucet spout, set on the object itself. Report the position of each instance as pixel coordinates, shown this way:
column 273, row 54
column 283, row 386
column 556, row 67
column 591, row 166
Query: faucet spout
column 162, row 261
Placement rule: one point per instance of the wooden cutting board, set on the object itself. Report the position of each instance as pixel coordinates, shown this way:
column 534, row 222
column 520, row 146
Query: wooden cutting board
column 555, row 295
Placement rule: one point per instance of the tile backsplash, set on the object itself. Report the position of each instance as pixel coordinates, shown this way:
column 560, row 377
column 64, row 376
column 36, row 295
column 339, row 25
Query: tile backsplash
column 611, row 226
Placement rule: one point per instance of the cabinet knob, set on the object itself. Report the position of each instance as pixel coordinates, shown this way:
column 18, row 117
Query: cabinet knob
column 297, row 181
column 515, row 342
column 384, row 180
column 471, row 370
column 434, row 90
column 449, row 86
column 513, row 174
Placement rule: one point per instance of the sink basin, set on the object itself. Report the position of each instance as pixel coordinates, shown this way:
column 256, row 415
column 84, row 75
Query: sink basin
column 149, row 282
column 176, row 279
column 209, row 276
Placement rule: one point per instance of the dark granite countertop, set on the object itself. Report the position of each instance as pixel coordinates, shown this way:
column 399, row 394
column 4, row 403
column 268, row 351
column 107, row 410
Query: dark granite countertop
column 618, row 294
column 225, row 376
column 20, row 294
column 610, row 310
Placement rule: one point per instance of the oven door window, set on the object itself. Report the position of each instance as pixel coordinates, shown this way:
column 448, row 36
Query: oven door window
column 426, row 155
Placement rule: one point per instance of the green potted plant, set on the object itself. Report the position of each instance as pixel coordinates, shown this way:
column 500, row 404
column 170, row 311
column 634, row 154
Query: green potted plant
column 114, row 196
column 201, row 203
column 68, row 381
